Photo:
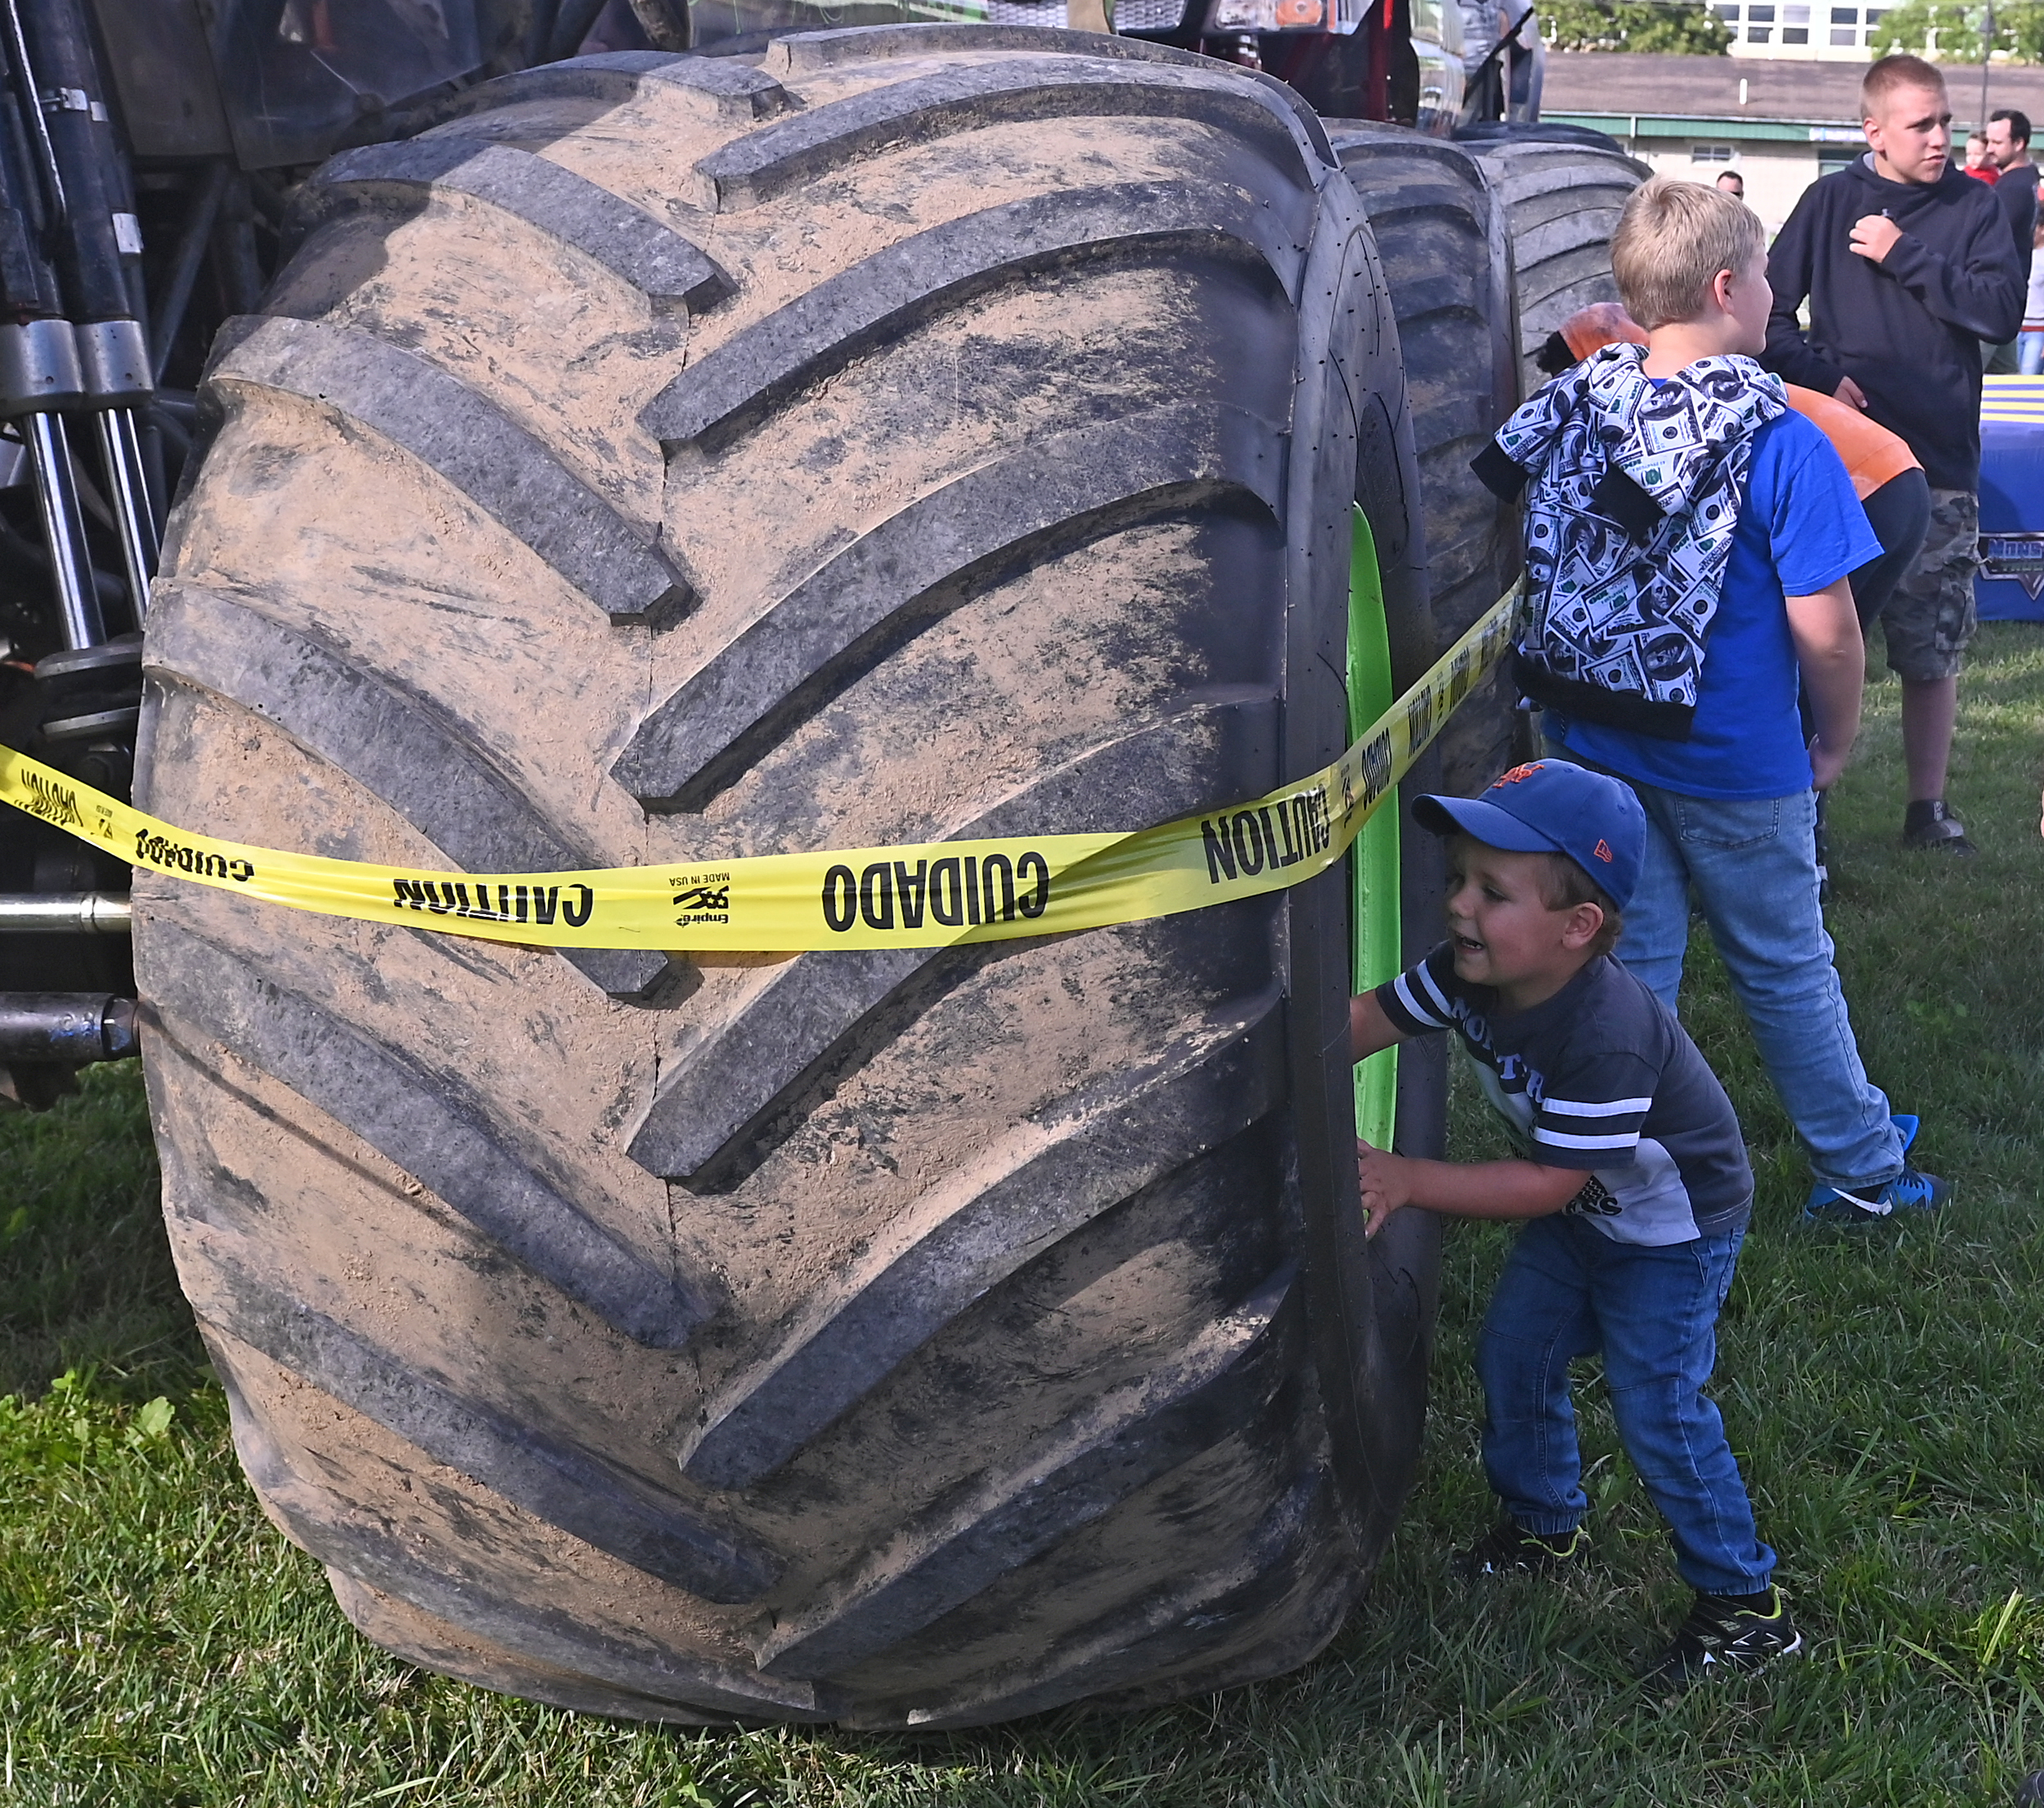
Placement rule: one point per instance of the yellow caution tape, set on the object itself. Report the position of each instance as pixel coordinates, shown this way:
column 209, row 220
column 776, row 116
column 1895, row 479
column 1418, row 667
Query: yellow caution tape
column 929, row 895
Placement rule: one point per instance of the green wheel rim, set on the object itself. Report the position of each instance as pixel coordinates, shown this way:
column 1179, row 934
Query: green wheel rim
column 1378, row 952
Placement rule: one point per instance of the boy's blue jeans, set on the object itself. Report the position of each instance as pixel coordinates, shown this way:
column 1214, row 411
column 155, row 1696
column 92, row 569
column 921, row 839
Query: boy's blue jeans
column 1752, row 862
column 1569, row 1290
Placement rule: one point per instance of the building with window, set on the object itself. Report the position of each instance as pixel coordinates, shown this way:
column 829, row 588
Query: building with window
column 1774, row 28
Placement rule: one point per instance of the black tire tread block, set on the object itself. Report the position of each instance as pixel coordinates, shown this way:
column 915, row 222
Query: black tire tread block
column 1287, row 1548
column 654, row 258
column 592, row 1500
column 250, row 1174
column 727, row 1098
column 798, row 345
column 960, row 1241
column 1562, row 201
column 440, row 1645
column 751, row 171
column 726, row 91
column 1443, row 239
column 1443, row 252
column 1280, row 1619
column 411, row 750
column 474, row 446
column 429, row 1126
column 487, row 1598
column 902, row 574
column 805, row 53
column 1085, row 1467
column 1490, row 131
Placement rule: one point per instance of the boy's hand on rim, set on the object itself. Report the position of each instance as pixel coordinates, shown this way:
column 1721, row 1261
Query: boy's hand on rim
column 1383, row 1183
column 1514, row 1189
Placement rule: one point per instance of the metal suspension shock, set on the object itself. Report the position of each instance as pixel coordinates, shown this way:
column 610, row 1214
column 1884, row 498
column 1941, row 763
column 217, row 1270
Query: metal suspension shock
column 114, row 362
column 94, row 246
column 39, row 374
column 128, row 490
column 64, row 529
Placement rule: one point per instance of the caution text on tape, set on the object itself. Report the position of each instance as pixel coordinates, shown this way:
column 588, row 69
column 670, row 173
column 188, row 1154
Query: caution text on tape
column 922, row 896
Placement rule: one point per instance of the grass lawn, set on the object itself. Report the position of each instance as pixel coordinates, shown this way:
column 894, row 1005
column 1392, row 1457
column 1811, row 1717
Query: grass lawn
column 161, row 1644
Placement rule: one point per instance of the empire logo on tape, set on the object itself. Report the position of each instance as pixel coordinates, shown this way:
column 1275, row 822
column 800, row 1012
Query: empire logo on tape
column 928, row 894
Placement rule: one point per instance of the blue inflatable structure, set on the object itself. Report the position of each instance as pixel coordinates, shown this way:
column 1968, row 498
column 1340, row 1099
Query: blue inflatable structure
column 2011, row 587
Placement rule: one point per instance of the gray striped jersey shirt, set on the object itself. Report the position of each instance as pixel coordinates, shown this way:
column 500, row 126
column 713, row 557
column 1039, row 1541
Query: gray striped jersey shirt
column 1601, row 1077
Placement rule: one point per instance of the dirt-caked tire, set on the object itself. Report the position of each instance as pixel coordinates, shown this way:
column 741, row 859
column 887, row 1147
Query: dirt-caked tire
column 1441, row 235
column 901, row 434
column 1561, row 200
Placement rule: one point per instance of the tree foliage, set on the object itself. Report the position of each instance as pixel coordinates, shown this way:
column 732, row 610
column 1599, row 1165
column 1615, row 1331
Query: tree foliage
column 1668, row 27
column 1952, row 33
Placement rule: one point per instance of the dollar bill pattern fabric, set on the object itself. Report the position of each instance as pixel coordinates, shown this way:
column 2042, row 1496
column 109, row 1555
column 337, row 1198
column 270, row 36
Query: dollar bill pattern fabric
column 1636, row 486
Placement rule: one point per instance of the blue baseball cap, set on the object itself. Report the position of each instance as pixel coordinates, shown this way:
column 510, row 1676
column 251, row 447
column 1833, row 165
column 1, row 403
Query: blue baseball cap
column 1551, row 806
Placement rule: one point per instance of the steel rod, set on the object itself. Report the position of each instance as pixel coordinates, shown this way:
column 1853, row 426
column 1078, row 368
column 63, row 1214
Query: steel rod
column 31, row 102
column 64, row 530
column 184, row 264
column 71, row 1028
column 65, row 913
column 134, row 517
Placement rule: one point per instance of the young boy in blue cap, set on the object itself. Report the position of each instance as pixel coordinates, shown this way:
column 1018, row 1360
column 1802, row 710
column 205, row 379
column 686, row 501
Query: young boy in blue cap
column 1633, row 1180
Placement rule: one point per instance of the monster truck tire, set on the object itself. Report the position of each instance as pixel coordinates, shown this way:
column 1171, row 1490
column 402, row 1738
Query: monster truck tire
column 895, row 435
column 1441, row 236
column 1561, row 201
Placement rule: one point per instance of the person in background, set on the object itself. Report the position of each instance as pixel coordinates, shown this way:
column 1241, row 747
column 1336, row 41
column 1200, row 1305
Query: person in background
column 1885, row 475
column 2030, row 359
column 1908, row 267
column 1978, row 165
column 1732, row 183
column 1689, row 539
column 2008, row 141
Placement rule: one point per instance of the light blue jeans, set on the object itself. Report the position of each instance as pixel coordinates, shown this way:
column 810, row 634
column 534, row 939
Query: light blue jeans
column 1752, row 862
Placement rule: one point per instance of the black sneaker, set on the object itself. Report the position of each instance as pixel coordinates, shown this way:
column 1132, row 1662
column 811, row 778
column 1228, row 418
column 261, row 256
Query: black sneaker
column 1930, row 825
column 1510, row 1549
column 1728, row 1632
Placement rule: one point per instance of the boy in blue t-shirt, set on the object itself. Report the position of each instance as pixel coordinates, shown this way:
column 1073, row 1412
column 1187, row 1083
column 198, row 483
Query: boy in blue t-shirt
column 1632, row 1178
column 1690, row 540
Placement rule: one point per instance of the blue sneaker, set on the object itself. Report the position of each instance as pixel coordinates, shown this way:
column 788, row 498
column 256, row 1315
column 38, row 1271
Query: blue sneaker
column 1908, row 1191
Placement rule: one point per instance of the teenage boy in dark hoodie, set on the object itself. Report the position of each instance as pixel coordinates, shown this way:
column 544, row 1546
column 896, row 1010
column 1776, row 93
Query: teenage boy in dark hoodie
column 1908, row 266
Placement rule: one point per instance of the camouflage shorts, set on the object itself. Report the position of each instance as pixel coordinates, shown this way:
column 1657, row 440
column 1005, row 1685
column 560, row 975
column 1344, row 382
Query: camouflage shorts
column 1929, row 620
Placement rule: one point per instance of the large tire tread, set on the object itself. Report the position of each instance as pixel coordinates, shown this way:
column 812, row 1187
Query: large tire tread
column 1562, row 201
column 1442, row 235
column 999, row 1332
